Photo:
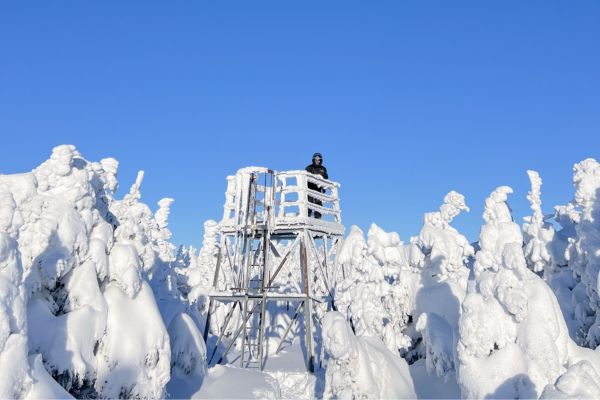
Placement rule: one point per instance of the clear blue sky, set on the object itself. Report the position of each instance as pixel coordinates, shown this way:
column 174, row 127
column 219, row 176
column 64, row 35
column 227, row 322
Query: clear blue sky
column 406, row 100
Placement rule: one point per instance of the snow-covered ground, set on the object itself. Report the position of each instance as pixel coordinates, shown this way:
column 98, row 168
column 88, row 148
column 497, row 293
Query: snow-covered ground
column 95, row 301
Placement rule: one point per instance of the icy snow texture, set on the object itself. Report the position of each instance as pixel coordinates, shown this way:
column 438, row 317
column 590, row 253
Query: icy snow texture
column 581, row 381
column 225, row 382
column 135, row 351
column 44, row 387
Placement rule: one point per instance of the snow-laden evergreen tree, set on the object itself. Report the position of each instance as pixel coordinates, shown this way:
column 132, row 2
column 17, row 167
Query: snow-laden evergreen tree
column 443, row 286
column 16, row 380
column 585, row 259
column 568, row 255
column 388, row 285
column 537, row 233
column 197, row 269
column 513, row 338
column 376, row 292
column 548, row 251
column 81, row 264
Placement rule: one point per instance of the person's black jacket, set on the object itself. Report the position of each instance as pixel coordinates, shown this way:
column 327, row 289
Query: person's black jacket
column 317, row 170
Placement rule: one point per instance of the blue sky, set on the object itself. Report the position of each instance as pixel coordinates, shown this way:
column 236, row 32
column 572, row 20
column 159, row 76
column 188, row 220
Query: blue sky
column 406, row 100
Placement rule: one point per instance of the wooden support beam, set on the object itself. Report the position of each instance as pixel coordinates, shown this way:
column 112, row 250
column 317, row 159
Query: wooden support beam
column 307, row 305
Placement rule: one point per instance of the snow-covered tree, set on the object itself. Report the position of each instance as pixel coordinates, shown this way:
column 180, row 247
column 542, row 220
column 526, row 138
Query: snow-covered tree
column 443, row 286
column 201, row 270
column 585, row 259
column 379, row 276
column 388, row 285
column 76, row 271
column 568, row 255
column 537, row 233
column 361, row 367
column 513, row 338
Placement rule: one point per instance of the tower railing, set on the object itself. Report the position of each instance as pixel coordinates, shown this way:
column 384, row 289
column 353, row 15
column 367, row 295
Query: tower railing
column 283, row 199
column 248, row 186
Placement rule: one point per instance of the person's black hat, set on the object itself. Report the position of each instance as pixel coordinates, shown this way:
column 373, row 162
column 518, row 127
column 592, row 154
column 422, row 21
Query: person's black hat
column 317, row 155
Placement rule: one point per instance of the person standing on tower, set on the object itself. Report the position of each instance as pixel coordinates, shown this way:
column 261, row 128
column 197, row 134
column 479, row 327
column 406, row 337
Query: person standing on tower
column 316, row 168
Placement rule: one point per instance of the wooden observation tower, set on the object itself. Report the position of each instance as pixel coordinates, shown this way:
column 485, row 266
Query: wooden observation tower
column 271, row 250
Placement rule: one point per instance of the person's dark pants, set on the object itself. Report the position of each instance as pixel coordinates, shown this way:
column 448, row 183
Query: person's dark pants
column 311, row 211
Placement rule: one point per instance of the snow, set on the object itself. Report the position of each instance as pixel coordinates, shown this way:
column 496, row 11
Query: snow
column 44, row 387
column 189, row 357
column 429, row 386
column 580, row 381
column 225, row 382
column 15, row 379
column 95, row 301
column 135, row 348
